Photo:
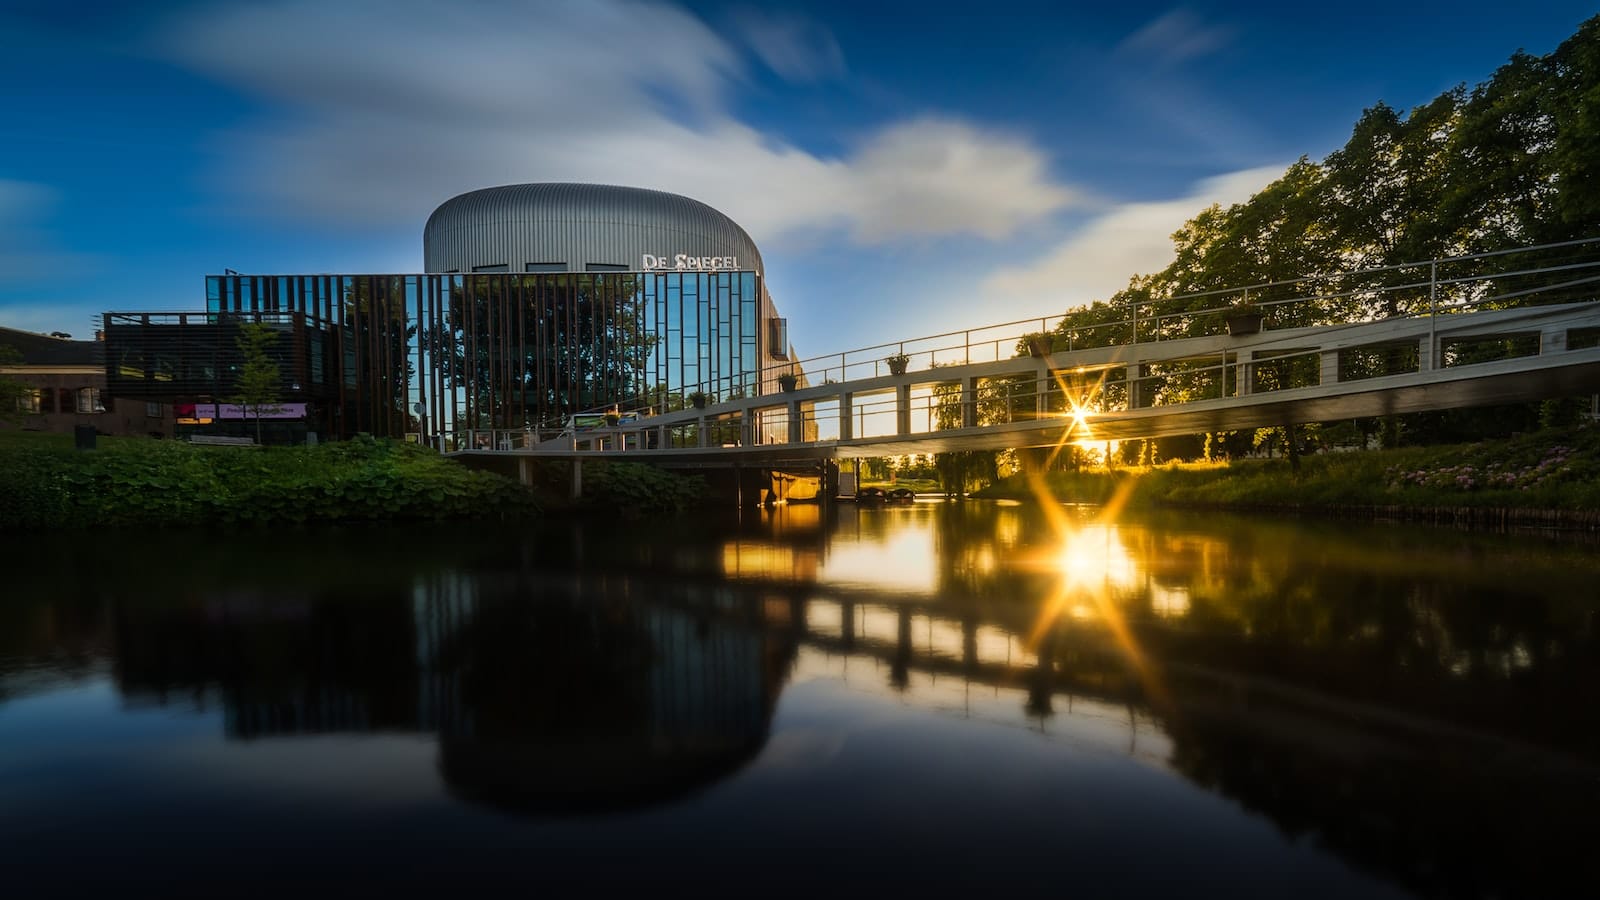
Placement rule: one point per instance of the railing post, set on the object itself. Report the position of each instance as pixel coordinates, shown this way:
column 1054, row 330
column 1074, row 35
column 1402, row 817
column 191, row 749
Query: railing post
column 1426, row 363
column 1552, row 340
column 1328, row 370
column 796, row 426
column 969, row 402
column 846, row 411
column 902, row 409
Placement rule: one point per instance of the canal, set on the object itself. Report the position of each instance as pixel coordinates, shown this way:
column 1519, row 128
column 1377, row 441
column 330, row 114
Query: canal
column 935, row 697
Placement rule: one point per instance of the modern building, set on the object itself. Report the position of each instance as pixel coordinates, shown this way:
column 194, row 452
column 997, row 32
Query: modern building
column 64, row 387
column 541, row 302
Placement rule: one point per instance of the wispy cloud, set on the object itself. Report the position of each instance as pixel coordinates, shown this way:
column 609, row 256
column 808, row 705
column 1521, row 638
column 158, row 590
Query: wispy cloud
column 1173, row 38
column 388, row 109
column 28, row 253
column 796, row 48
column 1098, row 259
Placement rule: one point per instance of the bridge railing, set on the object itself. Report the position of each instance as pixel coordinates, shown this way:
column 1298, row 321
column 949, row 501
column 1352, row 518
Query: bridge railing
column 1543, row 274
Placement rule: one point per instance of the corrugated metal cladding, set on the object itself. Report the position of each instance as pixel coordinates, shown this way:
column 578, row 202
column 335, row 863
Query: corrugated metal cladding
column 576, row 224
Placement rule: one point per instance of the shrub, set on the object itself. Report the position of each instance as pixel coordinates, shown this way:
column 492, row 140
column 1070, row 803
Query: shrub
column 168, row 483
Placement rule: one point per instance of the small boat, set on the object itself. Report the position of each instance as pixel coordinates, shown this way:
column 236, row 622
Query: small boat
column 879, row 495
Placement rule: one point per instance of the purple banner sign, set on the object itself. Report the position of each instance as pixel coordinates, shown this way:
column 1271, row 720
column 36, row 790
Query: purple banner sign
column 234, row 411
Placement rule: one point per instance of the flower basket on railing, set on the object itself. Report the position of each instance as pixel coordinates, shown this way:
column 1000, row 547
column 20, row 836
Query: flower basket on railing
column 613, row 419
column 788, row 381
column 1039, row 344
column 897, row 363
column 698, row 399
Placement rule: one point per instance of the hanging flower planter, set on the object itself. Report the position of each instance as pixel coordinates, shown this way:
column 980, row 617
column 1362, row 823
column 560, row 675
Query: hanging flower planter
column 787, row 381
column 1244, row 319
column 698, row 399
column 897, row 363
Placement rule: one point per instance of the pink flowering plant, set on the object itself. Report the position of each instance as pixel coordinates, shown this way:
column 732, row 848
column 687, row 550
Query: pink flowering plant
column 1556, row 464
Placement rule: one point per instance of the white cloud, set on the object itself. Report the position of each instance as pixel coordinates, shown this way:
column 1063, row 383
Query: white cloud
column 794, row 47
column 1132, row 239
column 391, row 108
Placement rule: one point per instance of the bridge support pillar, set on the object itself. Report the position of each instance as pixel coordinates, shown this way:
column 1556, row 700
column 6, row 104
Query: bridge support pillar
column 1245, row 373
column 902, row 409
column 969, row 402
column 846, row 411
column 1427, row 359
column 1329, row 372
column 796, row 424
column 577, row 479
column 701, row 436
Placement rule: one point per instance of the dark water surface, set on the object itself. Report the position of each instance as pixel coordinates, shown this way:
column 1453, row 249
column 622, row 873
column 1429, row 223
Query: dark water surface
column 941, row 699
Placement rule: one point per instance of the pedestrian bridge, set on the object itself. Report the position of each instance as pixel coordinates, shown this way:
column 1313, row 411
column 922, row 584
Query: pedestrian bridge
column 1476, row 330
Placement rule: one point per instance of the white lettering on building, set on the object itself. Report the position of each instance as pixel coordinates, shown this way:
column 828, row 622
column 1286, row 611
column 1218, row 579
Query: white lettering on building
column 682, row 262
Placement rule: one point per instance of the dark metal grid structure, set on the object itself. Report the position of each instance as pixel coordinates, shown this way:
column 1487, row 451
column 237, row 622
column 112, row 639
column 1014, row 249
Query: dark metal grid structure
column 473, row 351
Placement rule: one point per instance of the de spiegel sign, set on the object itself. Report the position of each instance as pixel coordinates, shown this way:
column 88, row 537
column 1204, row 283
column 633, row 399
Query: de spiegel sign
column 682, row 262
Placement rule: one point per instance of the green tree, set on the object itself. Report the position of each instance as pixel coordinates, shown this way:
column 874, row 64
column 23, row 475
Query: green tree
column 258, row 385
column 12, row 390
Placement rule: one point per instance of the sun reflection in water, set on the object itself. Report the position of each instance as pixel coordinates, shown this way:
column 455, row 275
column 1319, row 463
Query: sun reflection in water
column 1094, row 571
column 906, row 560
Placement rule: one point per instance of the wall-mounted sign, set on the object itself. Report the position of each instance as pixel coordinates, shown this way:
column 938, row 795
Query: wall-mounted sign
column 682, row 262
column 233, row 411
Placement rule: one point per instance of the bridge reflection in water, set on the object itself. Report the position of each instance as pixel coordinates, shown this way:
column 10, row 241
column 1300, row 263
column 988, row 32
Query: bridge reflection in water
column 1419, row 703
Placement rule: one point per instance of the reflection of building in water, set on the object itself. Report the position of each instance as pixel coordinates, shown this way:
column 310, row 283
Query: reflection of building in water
column 574, row 695
column 549, row 694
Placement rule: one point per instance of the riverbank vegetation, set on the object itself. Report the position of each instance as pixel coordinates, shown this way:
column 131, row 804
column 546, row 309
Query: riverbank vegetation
column 141, row 482
column 1555, row 469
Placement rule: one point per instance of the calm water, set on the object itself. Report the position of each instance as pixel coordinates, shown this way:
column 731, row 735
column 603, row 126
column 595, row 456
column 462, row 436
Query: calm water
column 938, row 698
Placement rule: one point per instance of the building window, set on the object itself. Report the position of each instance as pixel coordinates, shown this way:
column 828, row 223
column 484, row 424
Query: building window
column 152, row 409
column 545, row 267
column 28, row 401
column 604, row 267
column 89, row 401
column 498, row 267
column 778, row 337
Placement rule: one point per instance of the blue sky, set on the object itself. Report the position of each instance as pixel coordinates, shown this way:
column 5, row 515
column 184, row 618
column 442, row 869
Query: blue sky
column 906, row 169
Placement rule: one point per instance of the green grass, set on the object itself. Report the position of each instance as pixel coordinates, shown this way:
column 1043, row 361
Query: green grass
column 1557, row 469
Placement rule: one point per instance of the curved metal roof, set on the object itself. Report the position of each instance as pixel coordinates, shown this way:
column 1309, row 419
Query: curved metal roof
column 576, row 224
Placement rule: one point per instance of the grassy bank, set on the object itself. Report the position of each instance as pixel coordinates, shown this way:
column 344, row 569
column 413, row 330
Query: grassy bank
column 139, row 482
column 1551, row 470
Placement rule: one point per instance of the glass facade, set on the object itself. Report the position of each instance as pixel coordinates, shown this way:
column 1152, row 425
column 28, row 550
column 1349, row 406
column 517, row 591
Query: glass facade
column 469, row 351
